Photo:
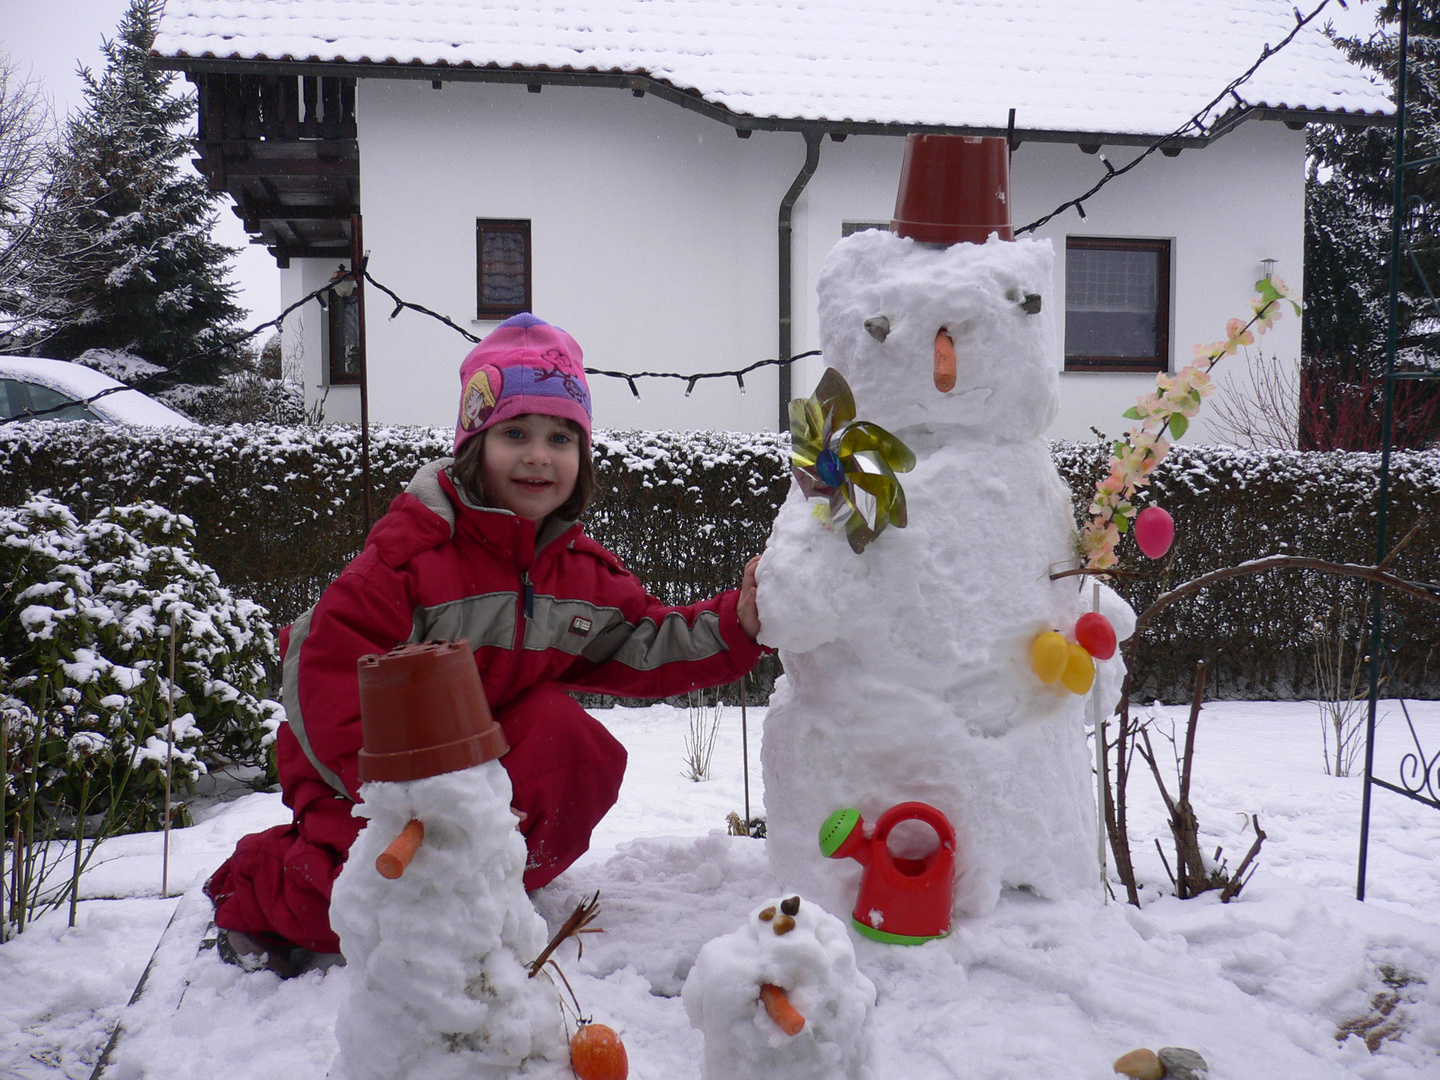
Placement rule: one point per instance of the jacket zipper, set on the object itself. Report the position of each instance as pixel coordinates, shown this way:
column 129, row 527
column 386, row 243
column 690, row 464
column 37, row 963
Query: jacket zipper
column 525, row 603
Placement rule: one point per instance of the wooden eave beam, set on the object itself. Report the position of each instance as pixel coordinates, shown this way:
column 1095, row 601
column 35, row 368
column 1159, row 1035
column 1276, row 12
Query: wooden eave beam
column 341, row 168
column 256, row 211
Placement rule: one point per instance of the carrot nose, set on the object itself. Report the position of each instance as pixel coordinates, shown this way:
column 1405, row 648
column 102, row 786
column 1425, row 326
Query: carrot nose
column 778, row 1006
column 394, row 859
column 944, row 362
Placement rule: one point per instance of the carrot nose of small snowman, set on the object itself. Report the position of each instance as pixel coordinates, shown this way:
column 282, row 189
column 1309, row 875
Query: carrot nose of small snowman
column 944, row 361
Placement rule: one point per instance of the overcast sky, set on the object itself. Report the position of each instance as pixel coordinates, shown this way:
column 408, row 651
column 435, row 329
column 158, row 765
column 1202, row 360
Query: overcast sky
column 53, row 37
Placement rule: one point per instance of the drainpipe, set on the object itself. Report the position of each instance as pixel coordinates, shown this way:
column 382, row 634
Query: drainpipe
column 787, row 206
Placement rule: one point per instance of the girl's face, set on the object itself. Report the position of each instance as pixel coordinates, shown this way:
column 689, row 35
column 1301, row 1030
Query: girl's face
column 529, row 463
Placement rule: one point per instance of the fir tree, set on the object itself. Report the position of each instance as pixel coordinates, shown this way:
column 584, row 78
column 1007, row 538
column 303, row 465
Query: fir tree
column 126, row 240
column 1348, row 201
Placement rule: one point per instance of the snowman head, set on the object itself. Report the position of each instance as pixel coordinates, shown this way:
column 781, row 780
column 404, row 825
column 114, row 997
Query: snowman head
column 885, row 298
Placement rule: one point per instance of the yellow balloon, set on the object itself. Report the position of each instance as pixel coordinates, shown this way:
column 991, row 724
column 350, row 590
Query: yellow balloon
column 1079, row 673
column 1049, row 656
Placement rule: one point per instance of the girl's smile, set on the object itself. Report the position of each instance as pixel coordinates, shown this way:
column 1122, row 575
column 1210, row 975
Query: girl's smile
column 529, row 464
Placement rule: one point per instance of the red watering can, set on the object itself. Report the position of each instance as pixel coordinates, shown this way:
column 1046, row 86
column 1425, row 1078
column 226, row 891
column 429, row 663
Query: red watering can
column 902, row 901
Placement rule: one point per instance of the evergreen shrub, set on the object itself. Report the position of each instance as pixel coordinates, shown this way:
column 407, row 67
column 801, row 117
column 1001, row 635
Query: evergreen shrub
column 86, row 614
column 277, row 514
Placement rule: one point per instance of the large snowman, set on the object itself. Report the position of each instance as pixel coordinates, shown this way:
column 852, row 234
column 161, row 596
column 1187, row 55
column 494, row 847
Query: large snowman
column 908, row 673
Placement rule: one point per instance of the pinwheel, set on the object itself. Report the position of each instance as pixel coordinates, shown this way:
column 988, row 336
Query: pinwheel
column 850, row 463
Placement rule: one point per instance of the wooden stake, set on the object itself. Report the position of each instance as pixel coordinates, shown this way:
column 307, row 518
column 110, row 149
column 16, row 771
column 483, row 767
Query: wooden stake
column 745, row 746
column 1098, row 726
column 169, row 751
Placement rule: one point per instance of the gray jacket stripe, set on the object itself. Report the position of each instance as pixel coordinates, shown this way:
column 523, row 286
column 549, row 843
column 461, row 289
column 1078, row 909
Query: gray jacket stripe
column 290, row 693
column 650, row 646
column 577, row 627
column 487, row 619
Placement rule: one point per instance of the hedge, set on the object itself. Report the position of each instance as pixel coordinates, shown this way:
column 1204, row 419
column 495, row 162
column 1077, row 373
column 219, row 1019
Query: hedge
column 1258, row 633
column 277, row 514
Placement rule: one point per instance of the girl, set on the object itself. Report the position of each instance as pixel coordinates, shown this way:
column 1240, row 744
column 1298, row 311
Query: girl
column 483, row 547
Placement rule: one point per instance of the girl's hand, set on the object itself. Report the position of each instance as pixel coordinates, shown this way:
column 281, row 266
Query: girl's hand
column 746, row 610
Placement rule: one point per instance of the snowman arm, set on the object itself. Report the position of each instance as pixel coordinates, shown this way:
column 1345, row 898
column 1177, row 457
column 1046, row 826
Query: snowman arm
column 809, row 580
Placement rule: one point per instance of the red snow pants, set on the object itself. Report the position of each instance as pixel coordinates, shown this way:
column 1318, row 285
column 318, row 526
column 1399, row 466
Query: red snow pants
column 565, row 769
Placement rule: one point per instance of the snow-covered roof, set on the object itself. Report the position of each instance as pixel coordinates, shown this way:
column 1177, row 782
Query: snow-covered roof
column 125, row 406
column 1113, row 66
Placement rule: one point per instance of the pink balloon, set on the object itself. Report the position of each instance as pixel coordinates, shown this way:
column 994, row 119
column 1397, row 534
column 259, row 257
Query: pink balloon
column 1154, row 531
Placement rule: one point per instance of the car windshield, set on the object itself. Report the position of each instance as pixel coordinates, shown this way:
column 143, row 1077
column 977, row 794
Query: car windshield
column 20, row 399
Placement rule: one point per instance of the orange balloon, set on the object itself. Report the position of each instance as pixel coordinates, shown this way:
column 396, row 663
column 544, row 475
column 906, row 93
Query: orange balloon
column 596, row 1053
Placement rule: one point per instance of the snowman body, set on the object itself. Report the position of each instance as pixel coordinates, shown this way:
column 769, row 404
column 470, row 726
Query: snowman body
column 907, row 665
column 437, row 958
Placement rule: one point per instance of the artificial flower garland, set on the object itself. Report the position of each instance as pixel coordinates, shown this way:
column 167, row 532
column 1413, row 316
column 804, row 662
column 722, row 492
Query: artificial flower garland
column 1176, row 399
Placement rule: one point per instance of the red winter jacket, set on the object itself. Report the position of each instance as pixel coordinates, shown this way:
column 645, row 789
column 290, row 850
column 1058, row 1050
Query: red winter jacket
column 556, row 607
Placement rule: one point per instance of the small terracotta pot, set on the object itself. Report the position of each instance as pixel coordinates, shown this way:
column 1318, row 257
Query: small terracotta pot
column 423, row 712
column 954, row 189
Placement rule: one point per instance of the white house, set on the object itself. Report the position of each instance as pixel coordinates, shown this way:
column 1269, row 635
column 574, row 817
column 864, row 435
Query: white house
column 663, row 178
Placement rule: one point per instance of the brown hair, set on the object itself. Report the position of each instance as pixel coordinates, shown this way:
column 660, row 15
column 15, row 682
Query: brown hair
column 466, row 474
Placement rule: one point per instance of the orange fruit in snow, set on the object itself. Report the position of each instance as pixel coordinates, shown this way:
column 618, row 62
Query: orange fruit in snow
column 596, row 1053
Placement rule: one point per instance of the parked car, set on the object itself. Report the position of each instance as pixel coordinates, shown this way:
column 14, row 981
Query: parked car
column 31, row 387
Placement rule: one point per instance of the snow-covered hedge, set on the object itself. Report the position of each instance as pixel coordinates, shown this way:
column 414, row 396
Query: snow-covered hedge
column 86, row 612
column 277, row 514
column 276, row 509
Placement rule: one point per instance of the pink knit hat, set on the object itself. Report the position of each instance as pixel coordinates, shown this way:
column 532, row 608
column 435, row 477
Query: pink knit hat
column 524, row 365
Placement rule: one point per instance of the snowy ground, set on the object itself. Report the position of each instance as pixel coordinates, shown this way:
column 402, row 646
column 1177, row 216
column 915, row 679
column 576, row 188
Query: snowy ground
column 1259, row 986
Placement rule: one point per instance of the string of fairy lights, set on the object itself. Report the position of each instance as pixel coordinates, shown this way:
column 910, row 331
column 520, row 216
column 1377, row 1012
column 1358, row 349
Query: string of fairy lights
column 343, row 283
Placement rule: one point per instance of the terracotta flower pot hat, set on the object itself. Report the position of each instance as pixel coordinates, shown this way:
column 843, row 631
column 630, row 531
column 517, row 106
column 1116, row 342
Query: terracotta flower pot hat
column 954, row 189
column 423, row 712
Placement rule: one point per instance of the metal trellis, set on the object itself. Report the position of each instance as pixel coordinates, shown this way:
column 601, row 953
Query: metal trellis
column 1418, row 777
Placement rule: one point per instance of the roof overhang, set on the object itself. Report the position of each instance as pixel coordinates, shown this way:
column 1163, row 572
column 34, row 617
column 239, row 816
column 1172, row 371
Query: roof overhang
column 639, row 83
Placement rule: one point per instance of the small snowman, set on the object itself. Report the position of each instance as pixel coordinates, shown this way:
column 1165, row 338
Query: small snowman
column 431, row 911
column 781, row 998
column 908, row 664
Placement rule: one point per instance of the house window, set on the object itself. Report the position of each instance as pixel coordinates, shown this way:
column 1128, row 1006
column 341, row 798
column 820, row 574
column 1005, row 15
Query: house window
column 344, row 339
column 502, row 261
column 1117, row 304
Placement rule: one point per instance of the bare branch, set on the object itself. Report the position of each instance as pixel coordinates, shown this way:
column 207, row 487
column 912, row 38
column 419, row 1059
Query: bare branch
column 1404, row 541
column 1189, row 760
column 584, row 913
column 1239, row 879
column 1287, row 562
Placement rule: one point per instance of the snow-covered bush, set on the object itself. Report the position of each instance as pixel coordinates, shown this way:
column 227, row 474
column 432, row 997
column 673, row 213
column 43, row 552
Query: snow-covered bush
column 251, row 395
column 86, row 611
column 242, row 398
